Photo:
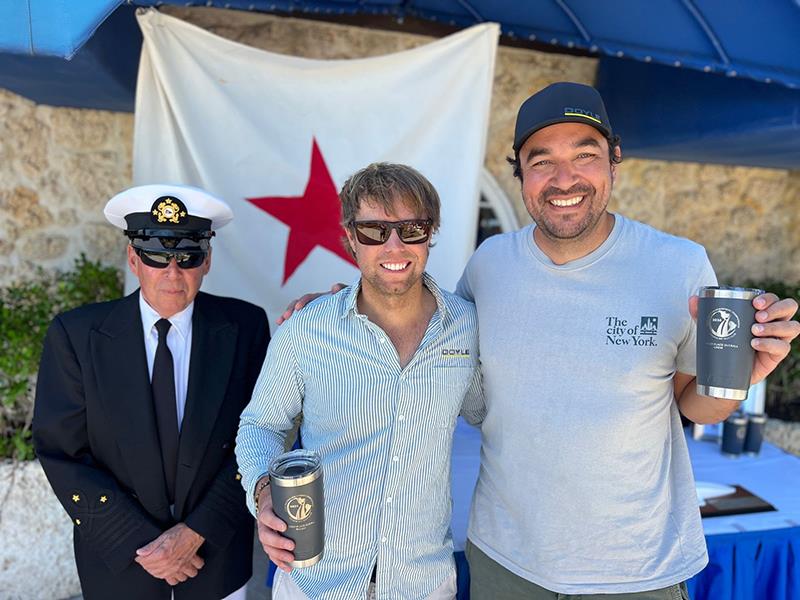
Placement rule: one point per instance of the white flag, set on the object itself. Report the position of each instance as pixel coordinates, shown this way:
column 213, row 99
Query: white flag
column 276, row 137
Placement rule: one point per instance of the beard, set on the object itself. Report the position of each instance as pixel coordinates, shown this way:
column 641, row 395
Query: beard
column 568, row 226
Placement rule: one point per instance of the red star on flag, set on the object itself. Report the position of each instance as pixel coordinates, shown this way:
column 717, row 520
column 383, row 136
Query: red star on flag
column 313, row 218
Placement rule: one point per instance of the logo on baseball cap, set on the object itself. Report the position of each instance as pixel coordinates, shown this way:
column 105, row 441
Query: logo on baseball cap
column 563, row 102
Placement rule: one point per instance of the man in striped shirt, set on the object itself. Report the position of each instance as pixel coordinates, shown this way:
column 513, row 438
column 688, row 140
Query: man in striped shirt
column 380, row 372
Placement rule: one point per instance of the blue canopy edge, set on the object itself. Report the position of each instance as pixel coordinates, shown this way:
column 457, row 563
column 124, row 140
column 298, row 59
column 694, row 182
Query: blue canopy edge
column 51, row 27
column 662, row 112
column 676, row 114
column 101, row 75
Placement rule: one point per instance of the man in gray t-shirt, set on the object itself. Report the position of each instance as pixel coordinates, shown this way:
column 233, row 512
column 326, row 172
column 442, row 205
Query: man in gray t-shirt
column 587, row 352
column 587, row 349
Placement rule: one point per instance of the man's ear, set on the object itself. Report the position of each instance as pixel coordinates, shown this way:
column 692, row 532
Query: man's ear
column 614, row 163
column 207, row 262
column 133, row 261
column 351, row 241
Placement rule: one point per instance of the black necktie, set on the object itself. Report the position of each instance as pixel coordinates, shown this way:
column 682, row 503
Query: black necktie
column 166, row 411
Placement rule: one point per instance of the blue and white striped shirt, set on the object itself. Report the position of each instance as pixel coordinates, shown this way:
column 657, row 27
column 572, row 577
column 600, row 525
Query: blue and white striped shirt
column 384, row 434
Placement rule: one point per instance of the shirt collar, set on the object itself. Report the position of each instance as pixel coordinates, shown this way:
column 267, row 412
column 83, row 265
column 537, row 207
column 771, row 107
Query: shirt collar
column 181, row 321
column 349, row 306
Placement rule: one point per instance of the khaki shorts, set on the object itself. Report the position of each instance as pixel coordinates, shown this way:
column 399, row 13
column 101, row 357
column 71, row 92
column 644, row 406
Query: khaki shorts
column 491, row 581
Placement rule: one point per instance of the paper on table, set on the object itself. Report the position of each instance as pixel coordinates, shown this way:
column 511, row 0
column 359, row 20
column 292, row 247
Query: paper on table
column 707, row 490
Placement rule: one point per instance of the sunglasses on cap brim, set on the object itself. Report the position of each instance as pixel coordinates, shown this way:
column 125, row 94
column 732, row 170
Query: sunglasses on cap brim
column 375, row 233
column 160, row 259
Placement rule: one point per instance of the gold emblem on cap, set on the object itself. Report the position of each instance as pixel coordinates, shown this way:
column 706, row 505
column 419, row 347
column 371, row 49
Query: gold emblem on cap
column 168, row 210
column 103, row 499
column 76, row 498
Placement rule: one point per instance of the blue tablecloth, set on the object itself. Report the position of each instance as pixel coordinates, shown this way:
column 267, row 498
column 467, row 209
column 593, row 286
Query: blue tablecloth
column 751, row 557
column 750, row 565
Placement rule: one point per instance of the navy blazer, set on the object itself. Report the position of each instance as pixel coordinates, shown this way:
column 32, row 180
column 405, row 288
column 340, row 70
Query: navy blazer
column 94, row 432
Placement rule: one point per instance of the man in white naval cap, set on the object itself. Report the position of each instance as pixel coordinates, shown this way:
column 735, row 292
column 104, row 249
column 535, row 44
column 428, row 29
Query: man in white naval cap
column 137, row 407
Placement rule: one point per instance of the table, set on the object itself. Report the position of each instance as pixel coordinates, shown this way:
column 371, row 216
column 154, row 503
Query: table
column 751, row 557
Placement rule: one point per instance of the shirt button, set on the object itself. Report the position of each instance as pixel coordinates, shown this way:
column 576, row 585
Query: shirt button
column 389, row 500
column 395, row 458
column 383, row 340
column 384, row 540
column 401, row 418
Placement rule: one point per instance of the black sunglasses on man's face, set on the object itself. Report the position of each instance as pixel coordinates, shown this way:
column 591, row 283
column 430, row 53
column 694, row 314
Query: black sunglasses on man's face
column 375, row 233
column 160, row 260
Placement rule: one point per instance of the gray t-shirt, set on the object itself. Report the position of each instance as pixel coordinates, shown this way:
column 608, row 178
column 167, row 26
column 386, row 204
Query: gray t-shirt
column 585, row 483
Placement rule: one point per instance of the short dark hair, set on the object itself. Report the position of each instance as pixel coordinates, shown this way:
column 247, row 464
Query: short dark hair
column 614, row 159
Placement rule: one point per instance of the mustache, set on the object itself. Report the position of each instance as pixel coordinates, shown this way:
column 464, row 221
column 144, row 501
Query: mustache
column 579, row 189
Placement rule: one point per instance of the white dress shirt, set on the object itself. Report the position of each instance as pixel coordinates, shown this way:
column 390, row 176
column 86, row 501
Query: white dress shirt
column 179, row 342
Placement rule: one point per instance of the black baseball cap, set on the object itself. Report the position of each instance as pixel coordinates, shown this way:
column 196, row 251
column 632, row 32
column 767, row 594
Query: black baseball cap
column 563, row 102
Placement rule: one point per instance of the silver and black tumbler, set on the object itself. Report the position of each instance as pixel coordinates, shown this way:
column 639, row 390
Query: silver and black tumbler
column 298, row 499
column 725, row 316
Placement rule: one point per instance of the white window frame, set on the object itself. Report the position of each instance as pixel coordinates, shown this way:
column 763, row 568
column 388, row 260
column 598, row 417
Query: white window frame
column 492, row 196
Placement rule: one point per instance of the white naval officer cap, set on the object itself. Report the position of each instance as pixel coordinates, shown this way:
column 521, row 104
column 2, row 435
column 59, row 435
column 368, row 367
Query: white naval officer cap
column 168, row 217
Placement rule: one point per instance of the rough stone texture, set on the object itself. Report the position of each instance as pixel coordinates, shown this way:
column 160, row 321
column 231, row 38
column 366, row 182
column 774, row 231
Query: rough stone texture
column 57, row 169
column 747, row 218
column 58, row 166
column 36, row 560
column 784, row 434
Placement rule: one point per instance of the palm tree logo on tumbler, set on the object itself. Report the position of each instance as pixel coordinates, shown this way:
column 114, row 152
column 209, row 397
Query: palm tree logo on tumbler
column 723, row 323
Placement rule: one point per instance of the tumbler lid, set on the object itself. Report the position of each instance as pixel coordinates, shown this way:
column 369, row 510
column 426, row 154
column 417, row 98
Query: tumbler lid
column 729, row 291
column 295, row 468
column 757, row 418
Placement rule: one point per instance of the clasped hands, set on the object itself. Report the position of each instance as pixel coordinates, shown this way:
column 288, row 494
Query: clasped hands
column 172, row 556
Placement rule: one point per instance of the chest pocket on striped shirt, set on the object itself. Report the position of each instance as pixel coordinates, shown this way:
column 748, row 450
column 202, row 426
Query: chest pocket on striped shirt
column 450, row 383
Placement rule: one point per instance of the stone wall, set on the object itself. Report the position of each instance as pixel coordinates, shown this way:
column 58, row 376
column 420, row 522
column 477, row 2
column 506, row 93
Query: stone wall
column 748, row 219
column 36, row 557
column 58, row 166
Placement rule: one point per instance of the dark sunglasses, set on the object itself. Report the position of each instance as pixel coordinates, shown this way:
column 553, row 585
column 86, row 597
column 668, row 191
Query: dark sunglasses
column 375, row 233
column 160, row 260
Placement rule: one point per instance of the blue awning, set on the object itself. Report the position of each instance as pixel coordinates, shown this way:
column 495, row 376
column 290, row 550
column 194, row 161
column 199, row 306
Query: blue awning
column 50, row 27
column 101, row 75
column 736, row 38
column 673, row 114
column 718, row 78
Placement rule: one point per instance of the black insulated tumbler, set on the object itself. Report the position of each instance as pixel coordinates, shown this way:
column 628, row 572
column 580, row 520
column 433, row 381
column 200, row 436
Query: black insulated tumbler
column 298, row 499
column 725, row 316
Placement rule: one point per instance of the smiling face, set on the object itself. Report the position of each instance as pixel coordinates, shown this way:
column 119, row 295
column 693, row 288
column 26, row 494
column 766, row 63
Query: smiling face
column 392, row 268
column 168, row 291
column 567, row 179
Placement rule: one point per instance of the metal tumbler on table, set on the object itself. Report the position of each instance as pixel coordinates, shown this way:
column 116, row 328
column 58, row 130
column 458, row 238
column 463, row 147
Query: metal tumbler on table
column 734, row 431
column 725, row 316
column 755, row 433
column 298, row 499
